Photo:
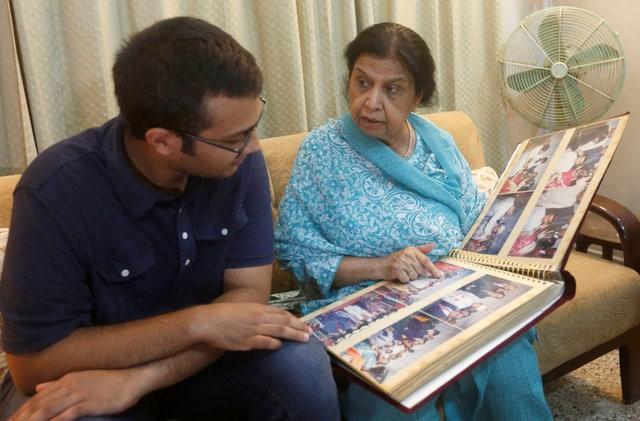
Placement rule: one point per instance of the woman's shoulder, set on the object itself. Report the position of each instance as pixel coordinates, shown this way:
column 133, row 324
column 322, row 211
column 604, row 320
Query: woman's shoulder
column 326, row 133
column 326, row 140
column 323, row 146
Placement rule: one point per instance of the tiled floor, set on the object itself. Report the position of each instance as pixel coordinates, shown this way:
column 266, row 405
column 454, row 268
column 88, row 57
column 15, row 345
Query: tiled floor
column 591, row 392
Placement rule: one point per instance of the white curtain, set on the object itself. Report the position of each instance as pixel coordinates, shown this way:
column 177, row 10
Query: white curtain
column 66, row 50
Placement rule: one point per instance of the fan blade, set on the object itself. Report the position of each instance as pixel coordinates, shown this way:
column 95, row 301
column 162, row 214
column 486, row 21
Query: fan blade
column 593, row 54
column 570, row 98
column 523, row 81
column 549, row 35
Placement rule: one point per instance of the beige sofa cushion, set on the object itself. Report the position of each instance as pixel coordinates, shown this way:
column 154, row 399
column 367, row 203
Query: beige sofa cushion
column 7, row 185
column 607, row 303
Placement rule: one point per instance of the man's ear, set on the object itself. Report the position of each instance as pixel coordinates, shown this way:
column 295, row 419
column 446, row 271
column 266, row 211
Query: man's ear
column 163, row 141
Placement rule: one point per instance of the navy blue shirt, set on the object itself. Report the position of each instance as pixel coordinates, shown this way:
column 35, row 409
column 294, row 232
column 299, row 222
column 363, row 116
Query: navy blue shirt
column 90, row 243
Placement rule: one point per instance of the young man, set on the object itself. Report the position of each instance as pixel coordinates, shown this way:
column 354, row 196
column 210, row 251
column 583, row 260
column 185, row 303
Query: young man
column 139, row 256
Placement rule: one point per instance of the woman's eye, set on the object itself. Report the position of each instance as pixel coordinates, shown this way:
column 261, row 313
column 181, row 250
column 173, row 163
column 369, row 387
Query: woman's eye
column 393, row 89
column 362, row 83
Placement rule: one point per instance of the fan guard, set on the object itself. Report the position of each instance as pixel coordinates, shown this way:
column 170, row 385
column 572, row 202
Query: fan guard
column 562, row 67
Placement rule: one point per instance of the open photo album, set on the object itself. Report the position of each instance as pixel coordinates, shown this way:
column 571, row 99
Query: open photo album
column 407, row 341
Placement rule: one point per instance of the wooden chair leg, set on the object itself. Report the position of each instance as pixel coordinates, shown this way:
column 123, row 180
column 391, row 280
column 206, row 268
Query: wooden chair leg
column 630, row 370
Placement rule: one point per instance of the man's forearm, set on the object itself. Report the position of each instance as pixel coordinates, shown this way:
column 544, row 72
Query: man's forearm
column 171, row 370
column 106, row 347
column 134, row 344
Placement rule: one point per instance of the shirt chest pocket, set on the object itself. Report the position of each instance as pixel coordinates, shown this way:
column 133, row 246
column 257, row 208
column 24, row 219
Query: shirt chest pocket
column 127, row 288
column 222, row 228
column 126, row 267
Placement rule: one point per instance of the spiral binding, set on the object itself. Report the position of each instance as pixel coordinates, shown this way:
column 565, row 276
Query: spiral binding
column 537, row 271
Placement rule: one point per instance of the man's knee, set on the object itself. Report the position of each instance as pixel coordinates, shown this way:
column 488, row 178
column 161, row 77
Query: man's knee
column 304, row 380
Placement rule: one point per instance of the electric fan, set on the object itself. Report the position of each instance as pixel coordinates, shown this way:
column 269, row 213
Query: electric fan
column 562, row 67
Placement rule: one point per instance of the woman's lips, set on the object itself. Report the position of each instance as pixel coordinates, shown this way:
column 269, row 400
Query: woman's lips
column 369, row 122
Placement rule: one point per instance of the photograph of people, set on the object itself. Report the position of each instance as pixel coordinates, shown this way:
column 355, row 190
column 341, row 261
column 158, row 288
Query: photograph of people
column 475, row 301
column 414, row 291
column 395, row 347
column 496, row 225
column 528, row 170
column 541, row 235
column 333, row 326
column 578, row 162
column 336, row 236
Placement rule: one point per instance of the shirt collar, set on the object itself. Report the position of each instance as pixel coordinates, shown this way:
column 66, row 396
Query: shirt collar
column 135, row 195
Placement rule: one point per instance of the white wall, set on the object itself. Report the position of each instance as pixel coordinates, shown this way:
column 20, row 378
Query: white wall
column 621, row 181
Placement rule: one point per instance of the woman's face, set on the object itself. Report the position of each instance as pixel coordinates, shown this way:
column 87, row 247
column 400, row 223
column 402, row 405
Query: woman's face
column 381, row 96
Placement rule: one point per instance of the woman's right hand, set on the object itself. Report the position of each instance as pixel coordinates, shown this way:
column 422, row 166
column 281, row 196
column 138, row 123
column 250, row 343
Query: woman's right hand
column 410, row 263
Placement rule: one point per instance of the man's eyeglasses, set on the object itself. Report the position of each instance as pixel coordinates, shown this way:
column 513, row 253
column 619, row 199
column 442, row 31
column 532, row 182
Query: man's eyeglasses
column 248, row 135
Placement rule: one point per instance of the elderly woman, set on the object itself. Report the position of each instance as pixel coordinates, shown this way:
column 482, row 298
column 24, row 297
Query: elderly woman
column 379, row 194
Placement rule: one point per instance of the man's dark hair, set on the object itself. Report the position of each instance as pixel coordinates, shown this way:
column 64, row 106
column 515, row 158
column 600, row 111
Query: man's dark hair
column 164, row 73
column 391, row 40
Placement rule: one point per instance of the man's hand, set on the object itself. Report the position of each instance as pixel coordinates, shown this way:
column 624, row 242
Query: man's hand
column 410, row 263
column 83, row 393
column 246, row 326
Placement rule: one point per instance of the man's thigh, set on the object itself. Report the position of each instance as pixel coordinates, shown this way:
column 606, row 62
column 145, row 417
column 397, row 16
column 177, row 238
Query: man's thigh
column 293, row 382
column 10, row 398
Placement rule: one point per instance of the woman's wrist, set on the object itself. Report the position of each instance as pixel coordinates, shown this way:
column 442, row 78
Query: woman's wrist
column 357, row 269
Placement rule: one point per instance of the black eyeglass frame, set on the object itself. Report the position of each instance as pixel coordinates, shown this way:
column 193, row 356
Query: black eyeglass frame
column 247, row 137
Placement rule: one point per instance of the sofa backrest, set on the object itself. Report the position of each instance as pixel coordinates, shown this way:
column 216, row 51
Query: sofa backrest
column 280, row 152
column 7, row 184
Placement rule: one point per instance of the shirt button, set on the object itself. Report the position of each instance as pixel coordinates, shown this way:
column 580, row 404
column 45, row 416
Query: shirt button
column 185, row 235
column 186, row 262
column 224, row 231
column 124, row 273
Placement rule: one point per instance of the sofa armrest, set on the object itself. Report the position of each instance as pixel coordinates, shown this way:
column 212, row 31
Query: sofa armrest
column 618, row 218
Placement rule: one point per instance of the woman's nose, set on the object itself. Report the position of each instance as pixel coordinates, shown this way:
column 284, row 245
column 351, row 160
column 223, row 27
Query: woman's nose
column 374, row 99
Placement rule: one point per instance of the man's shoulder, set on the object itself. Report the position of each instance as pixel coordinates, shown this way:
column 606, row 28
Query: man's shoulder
column 75, row 159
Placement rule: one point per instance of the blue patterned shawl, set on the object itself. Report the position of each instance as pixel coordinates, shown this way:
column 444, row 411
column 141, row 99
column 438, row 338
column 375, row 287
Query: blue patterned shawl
column 351, row 195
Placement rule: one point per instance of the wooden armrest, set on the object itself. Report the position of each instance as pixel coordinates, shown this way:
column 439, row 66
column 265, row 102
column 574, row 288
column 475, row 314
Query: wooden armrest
column 625, row 224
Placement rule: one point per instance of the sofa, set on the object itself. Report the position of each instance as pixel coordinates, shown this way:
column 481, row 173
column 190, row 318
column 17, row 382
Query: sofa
column 603, row 316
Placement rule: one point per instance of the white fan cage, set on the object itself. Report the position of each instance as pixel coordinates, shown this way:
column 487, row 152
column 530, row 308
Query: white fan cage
column 562, row 67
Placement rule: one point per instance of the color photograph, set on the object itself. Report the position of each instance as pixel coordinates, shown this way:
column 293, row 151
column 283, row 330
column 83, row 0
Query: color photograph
column 542, row 233
column 333, row 326
column 526, row 173
column 394, row 348
column 475, row 301
column 414, row 291
column 585, row 150
column 497, row 224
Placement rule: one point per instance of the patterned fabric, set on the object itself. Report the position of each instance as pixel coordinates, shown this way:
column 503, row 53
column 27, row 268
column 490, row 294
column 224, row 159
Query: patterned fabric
column 339, row 204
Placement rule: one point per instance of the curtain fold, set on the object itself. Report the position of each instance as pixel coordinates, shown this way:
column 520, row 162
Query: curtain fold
column 17, row 146
column 67, row 49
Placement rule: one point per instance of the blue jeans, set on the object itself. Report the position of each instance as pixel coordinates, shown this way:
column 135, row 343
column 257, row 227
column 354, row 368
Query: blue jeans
column 291, row 383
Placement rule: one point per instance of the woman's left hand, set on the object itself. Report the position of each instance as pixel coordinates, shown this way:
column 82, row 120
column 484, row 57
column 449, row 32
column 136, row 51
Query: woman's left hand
column 410, row 263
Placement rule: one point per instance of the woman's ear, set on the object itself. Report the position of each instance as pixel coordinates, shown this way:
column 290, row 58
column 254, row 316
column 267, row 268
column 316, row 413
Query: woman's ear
column 163, row 141
column 417, row 103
